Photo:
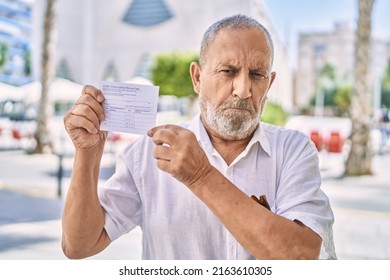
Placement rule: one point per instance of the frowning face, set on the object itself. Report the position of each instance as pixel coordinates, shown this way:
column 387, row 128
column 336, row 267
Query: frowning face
column 233, row 82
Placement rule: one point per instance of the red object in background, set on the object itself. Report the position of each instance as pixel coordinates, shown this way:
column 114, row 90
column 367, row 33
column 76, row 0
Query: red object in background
column 16, row 134
column 113, row 137
column 335, row 143
column 316, row 137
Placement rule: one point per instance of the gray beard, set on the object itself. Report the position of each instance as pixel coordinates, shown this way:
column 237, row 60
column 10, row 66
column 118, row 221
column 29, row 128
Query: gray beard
column 230, row 124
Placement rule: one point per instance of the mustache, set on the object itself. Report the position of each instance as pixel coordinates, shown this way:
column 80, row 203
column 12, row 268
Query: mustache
column 238, row 104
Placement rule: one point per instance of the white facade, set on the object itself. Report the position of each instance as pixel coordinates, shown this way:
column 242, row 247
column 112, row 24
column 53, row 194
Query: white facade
column 337, row 49
column 94, row 43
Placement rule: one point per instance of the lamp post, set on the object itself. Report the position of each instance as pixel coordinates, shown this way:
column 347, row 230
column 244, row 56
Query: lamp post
column 60, row 171
column 319, row 107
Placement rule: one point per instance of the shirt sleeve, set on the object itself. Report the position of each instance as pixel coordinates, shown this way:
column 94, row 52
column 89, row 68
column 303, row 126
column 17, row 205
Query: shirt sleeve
column 120, row 198
column 299, row 196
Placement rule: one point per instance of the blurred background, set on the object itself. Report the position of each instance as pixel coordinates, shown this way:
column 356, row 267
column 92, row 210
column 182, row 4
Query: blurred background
column 332, row 60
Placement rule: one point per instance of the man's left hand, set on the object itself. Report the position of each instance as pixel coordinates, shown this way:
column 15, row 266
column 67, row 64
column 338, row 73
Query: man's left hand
column 178, row 152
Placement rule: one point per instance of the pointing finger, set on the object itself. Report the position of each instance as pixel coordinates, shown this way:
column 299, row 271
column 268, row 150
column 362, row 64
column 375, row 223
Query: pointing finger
column 174, row 128
column 164, row 136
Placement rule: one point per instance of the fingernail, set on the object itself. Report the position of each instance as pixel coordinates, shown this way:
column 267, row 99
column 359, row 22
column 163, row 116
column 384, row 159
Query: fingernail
column 101, row 117
column 100, row 98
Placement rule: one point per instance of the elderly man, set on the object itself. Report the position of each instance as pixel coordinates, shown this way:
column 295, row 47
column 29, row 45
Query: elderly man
column 189, row 187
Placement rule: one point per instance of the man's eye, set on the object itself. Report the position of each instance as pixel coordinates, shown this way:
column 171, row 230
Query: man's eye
column 228, row 71
column 259, row 75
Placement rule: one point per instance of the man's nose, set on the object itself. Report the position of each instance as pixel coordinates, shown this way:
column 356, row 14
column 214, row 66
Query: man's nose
column 242, row 86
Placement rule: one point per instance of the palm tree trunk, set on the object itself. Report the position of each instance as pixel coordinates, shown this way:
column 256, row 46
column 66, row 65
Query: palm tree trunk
column 359, row 159
column 42, row 137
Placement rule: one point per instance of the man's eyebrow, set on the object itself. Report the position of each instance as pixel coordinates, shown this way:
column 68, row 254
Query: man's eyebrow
column 230, row 66
column 260, row 68
column 227, row 64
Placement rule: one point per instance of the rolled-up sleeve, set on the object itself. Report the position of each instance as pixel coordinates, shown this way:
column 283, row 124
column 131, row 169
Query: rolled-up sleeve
column 120, row 198
column 299, row 196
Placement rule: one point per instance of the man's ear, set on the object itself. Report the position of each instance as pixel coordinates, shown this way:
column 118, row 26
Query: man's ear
column 273, row 75
column 195, row 76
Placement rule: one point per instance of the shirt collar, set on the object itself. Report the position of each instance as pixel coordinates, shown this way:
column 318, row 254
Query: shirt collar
column 260, row 136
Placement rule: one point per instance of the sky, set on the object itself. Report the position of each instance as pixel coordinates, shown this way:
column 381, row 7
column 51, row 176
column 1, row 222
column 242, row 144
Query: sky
column 291, row 17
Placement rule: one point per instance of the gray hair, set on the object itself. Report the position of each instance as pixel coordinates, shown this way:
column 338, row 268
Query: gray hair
column 235, row 22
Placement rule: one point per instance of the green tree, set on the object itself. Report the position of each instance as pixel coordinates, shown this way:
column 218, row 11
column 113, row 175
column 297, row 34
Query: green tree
column 3, row 54
column 328, row 71
column 274, row 114
column 171, row 72
column 385, row 88
column 325, row 87
column 342, row 99
column 27, row 62
column 328, row 83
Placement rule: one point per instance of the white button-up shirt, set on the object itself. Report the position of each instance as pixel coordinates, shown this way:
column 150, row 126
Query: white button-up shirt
column 280, row 163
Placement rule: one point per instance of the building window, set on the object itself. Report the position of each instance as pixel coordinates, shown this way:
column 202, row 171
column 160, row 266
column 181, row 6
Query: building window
column 63, row 70
column 110, row 73
column 319, row 48
column 147, row 13
column 144, row 64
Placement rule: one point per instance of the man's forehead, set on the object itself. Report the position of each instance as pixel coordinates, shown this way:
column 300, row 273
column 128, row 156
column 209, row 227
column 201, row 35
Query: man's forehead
column 250, row 39
column 231, row 47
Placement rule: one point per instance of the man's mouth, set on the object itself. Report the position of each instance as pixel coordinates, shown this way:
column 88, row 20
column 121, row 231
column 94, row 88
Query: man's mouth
column 238, row 109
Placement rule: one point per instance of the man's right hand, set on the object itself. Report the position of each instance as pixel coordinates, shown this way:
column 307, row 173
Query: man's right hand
column 82, row 121
column 83, row 217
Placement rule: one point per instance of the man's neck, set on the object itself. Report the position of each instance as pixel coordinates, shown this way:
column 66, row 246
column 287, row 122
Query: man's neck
column 228, row 149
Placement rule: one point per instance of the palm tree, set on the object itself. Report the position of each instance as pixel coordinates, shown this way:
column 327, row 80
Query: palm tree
column 42, row 134
column 360, row 156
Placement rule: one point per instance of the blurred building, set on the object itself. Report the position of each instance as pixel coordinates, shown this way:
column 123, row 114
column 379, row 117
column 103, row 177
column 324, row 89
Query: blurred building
column 117, row 40
column 335, row 48
column 15, row 41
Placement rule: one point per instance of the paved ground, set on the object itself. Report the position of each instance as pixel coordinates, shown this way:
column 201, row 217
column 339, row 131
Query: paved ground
column 30, row 211
column 362, row 212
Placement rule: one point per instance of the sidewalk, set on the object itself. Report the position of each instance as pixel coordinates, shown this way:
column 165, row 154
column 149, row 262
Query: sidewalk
column 30, row 212
column 361, row 207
